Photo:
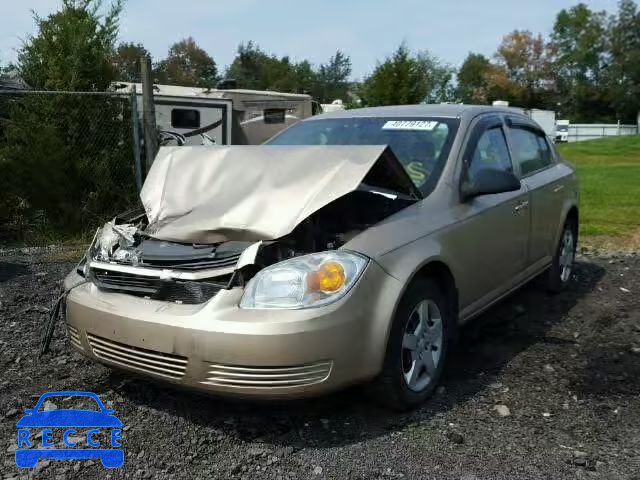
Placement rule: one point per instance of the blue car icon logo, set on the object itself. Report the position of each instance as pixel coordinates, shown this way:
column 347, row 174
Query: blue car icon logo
column 103, row 424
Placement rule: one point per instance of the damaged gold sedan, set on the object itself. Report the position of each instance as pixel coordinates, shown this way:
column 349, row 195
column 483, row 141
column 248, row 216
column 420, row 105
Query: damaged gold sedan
column 346, row 250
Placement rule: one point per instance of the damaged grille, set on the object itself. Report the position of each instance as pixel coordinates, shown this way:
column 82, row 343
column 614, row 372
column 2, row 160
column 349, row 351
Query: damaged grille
column 148, row 361
column 187, row 292
column 198, row 264
column 267, row 377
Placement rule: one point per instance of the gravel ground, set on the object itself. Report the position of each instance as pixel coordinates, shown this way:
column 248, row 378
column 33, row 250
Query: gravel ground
column 542, row 387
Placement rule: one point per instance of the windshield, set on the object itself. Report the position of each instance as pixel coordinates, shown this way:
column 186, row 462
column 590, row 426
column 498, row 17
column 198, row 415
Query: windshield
column 563, row 128
column 422, row 145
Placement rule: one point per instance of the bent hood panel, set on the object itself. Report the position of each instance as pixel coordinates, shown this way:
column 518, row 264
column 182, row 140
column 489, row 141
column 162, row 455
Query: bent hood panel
column 249, row 193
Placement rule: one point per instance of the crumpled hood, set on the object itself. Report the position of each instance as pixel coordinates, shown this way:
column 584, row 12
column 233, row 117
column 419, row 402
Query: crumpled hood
column 249, row 193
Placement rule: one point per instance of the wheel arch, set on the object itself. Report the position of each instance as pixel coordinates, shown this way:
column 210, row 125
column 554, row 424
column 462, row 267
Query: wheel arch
column 571, row 213
column 439, row 271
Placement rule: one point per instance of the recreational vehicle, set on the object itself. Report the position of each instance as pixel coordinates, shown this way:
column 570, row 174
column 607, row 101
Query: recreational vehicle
column 223, row 117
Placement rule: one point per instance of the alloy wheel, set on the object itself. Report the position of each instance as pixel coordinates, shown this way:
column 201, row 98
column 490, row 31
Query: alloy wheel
column 422, row 345
column 567, row 255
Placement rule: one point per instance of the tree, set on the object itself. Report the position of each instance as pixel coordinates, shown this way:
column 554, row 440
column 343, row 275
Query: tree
column 578, row 49
column 126, row 61
column 439, row 79
column 5, row 70
column 305, row 78
column 333, row 78
column 405, row 78
column 66, row 159
column 472, row 79
column 255, row 69
column 525, row 61
column 72, row 49
column 251, row 68
column 624, row 68
column 501, row 87
column 285, row 75
column 187, row 65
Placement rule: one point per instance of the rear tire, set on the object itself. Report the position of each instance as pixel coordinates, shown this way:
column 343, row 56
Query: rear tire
column 417, row 349
column 558, row 276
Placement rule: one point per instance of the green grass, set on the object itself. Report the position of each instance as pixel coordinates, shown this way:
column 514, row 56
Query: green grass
column 609, row 174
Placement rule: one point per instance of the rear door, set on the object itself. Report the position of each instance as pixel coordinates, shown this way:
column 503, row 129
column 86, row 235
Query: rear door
column 491, row 240
column 539, row 171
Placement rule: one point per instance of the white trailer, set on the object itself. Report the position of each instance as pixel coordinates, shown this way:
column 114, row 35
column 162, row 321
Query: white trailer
column 545, row 118
column 335, row 106
column 224, row 117
column 562, row 131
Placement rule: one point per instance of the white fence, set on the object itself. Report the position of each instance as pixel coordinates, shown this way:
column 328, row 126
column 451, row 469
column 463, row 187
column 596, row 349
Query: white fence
column 579, row 132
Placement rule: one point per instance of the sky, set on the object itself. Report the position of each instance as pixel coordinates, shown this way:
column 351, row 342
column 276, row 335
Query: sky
column 367, row 30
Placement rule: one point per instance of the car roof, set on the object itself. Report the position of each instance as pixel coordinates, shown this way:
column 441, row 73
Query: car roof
column 464, row 112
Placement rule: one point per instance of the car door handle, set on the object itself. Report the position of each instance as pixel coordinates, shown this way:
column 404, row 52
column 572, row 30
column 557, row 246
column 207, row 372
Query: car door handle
column 521, row 206
column 558, row 189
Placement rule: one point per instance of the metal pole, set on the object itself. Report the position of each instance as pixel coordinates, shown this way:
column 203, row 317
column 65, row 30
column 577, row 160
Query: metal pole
column 148, row 113
column 136, row 138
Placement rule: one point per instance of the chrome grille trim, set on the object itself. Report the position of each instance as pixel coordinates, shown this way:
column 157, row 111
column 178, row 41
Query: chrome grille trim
column 148, row 361
column 162, row 272
column 267, row 377
column 200, row 264
column 74, row 336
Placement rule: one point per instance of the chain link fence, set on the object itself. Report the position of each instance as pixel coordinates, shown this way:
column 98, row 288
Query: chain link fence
column 67, row 164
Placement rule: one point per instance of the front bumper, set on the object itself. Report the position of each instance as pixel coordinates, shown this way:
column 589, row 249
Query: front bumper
column 218, row 347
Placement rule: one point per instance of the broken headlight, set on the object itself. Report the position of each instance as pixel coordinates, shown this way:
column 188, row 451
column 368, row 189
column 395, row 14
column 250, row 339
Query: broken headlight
column 307, row 281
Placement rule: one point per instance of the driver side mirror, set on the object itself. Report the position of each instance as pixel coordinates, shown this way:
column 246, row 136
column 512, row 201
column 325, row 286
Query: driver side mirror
column 489, row 181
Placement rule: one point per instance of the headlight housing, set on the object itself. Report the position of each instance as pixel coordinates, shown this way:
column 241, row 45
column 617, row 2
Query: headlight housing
column 302, row 282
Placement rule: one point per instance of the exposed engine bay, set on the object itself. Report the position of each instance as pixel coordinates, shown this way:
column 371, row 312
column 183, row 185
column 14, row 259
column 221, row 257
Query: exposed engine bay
column 127, row 256
column 199, row 271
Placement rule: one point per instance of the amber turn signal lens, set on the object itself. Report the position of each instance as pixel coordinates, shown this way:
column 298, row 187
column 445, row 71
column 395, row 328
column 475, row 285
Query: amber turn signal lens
column 329, row 278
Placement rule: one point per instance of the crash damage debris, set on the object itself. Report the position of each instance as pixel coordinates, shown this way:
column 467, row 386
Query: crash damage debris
column 214, row 217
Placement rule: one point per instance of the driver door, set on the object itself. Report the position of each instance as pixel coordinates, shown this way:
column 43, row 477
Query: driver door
column 490, row 241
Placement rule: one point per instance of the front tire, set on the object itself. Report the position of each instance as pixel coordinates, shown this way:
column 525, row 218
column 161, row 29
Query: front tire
column 417, row 348
column 558, row 276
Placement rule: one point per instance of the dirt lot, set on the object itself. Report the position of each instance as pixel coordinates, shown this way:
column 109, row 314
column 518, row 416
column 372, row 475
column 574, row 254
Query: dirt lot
column 542, row 387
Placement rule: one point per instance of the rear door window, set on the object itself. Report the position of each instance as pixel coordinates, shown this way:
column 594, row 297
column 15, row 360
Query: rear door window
column 530, row 149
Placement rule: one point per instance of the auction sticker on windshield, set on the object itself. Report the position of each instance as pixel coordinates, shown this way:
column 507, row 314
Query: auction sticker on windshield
column 90, row 432
column 426, row 125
